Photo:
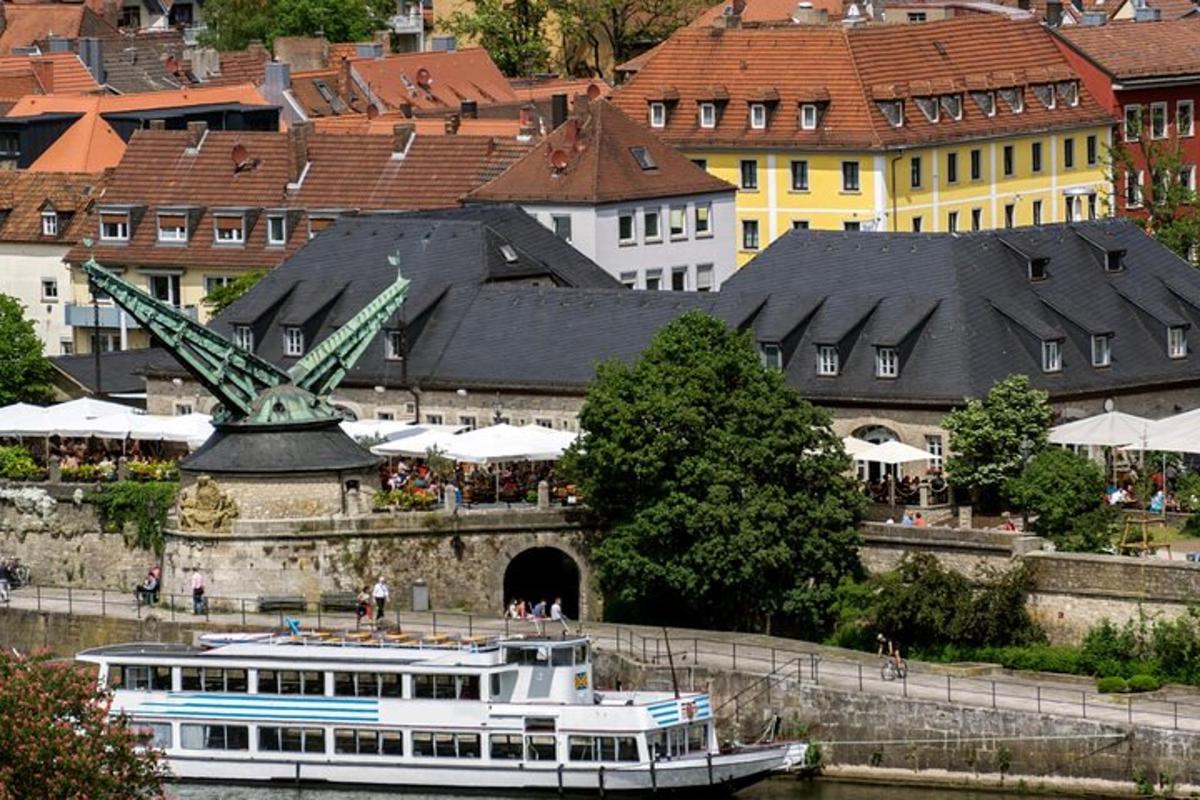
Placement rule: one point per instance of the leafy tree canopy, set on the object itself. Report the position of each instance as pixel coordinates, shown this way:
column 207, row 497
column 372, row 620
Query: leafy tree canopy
column 25, row 374
column 986, row 435
column 1170, row 201
column 723, row 493
column 222, row 296
column 233, row 24
column 1066, row 493
column 512, row 31
column 623, row 28
column 57, row 740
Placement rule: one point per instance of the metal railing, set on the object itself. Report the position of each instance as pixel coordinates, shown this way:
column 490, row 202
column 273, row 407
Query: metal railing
column 773, row 664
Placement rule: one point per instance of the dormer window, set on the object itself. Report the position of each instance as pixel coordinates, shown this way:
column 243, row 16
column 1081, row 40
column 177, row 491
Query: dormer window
column 395, row 345
column 929, row 107
column 772, row 355
column 172, row 227
column 952, row 105
column 1044, row 92
column 50, row 223
column 1101, row 350
column 229, row 229
column 1114, row 261
column 758, row 116
column 828, row 361
column 658, row 115
column 276, row 230
column 986, row 102
column 1068, row 92
column 708, row 115
column 1177, row 342
column 887, row 362
column 243, row 337
column 893, row 111
column 1038, row 268
column 293, row 341
column 808, row 117
column 1052, row 355
column 1014, row 98
column 114, row 226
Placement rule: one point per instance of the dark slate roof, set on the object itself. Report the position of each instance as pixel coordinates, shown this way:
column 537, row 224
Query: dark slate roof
column 263, row 451
column 964, row 313
column 121, row 372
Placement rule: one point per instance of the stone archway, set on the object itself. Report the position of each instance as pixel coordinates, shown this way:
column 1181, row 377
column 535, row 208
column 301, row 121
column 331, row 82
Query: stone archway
column 544, row 573
column 875, row 434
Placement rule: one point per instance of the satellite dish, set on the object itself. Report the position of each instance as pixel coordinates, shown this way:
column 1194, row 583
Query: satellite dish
column 424, row 78
column 239, row 154
column 593, row 91
column 558, row 159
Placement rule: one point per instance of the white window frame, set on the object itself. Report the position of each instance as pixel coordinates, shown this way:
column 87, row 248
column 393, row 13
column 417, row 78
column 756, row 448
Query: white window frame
column 707, row 115
column 747, row 226
column 231, row 235
column 808, row 117
column 936, row 449
column 1177, row 342
column 1132, row 110
column 828, row 361
column 52, row 295
column 677, row 213
column 1101, row 350
column 393, row 344
column 1136, row 199
column 654, row 276
column 293, row 341
column 705, row 230
column 771, row 354
column 658, row 115
column 271, row 238
column 120, row 230
column 887, row 362
column 632, row 237
column 172, row 235
column 1051, row 355
column 705, row 278
column 1159, row 110
column 629, row 280
column 1190, row 105
column 212, row 282
column 952, row 222
column 758, row 116
column 656, row 215
column 49, row 223
column 243, row 337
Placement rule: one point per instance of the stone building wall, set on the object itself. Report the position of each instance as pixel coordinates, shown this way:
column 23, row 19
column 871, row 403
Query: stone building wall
column 297, row 496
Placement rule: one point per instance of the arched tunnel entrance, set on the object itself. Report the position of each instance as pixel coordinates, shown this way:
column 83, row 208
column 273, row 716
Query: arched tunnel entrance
column 543, row 573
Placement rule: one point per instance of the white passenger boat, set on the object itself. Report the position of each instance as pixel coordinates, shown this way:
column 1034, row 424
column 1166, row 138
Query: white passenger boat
column 473, row 714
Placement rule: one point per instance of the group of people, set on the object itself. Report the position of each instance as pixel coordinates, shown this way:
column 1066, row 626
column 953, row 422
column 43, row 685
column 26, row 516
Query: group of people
column 372, row 601
column 473, row 485
column 910, row 520
column 146, row 592
column 538, row 613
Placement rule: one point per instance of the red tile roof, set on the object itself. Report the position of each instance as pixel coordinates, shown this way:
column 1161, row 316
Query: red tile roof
column 767, row 11
column 242, row 66
column 25, row 195
column 589, row 159
column 846, row 72
column 501, row 128
column 28, row 24
column 50, row 73
column 535, row 89
column 1130, row 50
column 453, row 77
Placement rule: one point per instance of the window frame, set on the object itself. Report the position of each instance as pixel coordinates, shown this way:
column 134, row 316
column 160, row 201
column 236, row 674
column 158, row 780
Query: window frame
column 677, row 214
column 631, row 216
column 750, row 226
column 771, row 355
column 52, row 296
column 243, row 337
column 707, row 115
column 1177, row 342
column 1102, row 355
column 556, row 222
column 1133, row 114
column 914, row 172
column 799, row 169
column 1069, row 152
column 976, row 164
column 656, row 215
column 1052, row 361
column 887, row 362
column 1035, row 157
column 122, row 227
column 1156, row 109
column 705, row 230
column 1190, row 105
column 857, row 175
column 1008, row 160
column 1093, row 150
column 752, row 184
column 805, row 110
column 293, row 341
column 952, row 167
column 828, row 361
column 50, row 223
column 705, row 277
column 758, row 116
column 658, row 114
column 272, row 240
column 1134, row 181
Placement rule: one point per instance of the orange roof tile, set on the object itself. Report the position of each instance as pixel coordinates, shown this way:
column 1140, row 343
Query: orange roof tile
column 767, row 11
column 454, row 76
column 535, row 89
column 845, row 71
column 52, row 73
column 1128, row 50
column 28, row 24
column 597, row 164
column 502, row 128
column 242, row 66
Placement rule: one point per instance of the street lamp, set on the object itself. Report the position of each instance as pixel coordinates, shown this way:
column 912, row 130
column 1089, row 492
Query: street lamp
column 1026, row 451
column 497, row 410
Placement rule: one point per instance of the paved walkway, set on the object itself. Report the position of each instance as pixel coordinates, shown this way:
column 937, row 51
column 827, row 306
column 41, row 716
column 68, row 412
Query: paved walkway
column 780, row 662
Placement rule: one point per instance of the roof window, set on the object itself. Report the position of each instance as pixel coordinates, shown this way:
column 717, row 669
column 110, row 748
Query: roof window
column 509, row 253
column 1044, row 92
column 1114, row 260
column 658, row 115
column 708, row 115
column 893, row 111
column 929, row 107
column 1052, row 355
column 952, row 105
column 643, row 158
column 986, row 102
column 808, row 116
column 758, row 116
column 1014, row 98
column 1068, row 92
column 1038, row 268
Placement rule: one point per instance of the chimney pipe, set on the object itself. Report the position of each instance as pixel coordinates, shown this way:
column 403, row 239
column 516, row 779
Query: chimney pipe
column 469, row 109
column 402, row 136
column 558, row 110
column 298, row 135
column 1054, row 13
column 344, row 78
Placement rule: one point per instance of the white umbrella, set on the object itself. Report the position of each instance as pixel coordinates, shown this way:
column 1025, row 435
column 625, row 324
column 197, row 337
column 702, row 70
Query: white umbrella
column 417, row 443
column 855, row 447
column 375, row 429
column 1112, row 429
column 21, row 419
column 893, row 452
column 1176, row 434
column 504, row 442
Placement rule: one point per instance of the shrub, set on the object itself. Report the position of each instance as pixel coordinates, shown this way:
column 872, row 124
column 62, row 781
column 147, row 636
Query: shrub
column 148, row 470
column 1187, row 491
column 89, row 473
column 1112, row 685
column 1144, row 683
column 145, row 504
column 16, row 464
column 1107, row 649
column 407, row 500
column 1060, row 487
column 1035, row 658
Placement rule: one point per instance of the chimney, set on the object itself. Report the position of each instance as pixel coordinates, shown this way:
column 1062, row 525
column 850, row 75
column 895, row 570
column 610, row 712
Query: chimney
column 529, row 127
column 158, row 124
column 196, row 130
column 1093, row 19
column 1144, row 13
column 452, row 123
column 402, row 136
column 43, row 70
column 805, row 14
column 298, row 135
column 469, row 109
column 558, row 110
column 728, row 20
column 344, row 79
column 277, row 79
column 91, row 53
column 1054, row 13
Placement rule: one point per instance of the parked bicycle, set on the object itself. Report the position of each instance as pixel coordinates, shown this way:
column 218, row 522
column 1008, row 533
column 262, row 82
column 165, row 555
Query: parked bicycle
column 18, row 574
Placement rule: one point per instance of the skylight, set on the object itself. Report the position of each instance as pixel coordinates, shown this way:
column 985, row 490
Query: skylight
column 509, row 253
column 643, row 157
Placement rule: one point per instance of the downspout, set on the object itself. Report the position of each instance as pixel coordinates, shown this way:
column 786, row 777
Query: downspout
column 895, row 191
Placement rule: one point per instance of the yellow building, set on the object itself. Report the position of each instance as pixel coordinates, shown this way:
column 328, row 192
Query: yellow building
column 974, row 123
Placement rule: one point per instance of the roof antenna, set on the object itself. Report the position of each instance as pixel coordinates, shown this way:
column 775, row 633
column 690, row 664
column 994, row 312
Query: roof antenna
column 671, row 662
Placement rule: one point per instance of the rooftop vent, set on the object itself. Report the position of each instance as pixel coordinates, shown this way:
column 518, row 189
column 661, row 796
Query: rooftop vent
column 1038, row 268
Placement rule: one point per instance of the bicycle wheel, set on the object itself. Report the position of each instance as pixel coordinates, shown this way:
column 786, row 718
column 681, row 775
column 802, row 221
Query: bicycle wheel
column 888, row 671
column 902, row 670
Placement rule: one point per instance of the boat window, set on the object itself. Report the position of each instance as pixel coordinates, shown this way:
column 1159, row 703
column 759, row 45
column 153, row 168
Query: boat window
column 212, row 679
column 506, row 746
column 581, row 654
column 139, row 678
column 389, row 685
column 603, row 748
column 290, row 682
column 541, row 748
column 152, row 734
column 563, row 657
column 366, row 684
column 697, row 738
column 527, row 655
column 235, row 681
column 533, row 724
column 446, row 745
column 367, row 742
column 446, row 687
column 214, row 737
column 503, row 684
column 291, row 740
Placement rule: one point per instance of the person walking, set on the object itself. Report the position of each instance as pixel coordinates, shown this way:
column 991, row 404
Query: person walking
column 362, row 606
column 556, row 614
column 5, row 577
column 197, row 592
column 381, row 595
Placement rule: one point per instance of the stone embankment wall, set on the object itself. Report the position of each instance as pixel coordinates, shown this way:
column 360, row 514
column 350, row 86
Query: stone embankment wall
column 963, row 550
column 64, row 635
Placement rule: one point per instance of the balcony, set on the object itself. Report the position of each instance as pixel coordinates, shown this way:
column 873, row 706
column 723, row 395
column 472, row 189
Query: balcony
column 83, row 316
column 408, row 22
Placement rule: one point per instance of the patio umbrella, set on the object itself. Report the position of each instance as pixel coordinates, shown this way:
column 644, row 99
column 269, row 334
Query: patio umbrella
column 893, row 453
column 1112, row 429
column 855, row 447
column 504, row 442
column 417, row 443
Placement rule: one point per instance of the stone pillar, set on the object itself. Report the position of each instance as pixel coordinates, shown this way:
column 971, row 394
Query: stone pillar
column 449, row 498
column 54, row 469
column 924, row 492
column 122, row 469
column 543, row 495
column 965, row 517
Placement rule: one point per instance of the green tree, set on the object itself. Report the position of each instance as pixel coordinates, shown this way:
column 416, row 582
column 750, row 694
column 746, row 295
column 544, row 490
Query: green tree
column 58, row 741
column 233, row 24
column 339, row 20
column 223, row 296
column 986, row 436
column 623, row 28
column 25, row 373
column 1066, row 493
column 1169, row 200
column 723, row 493
column 512, row 31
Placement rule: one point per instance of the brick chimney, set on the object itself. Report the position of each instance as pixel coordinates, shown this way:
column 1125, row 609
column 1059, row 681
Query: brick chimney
column 298, row 135
column 344, row 80
column 452, row 123
column 196, row 130
column 43, row 70
column 402, row 136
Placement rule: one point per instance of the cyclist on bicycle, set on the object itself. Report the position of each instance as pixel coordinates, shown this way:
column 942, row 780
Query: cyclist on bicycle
column 890, row 649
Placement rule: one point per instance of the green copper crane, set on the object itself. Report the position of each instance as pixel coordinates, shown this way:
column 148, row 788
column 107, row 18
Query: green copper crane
column 250, row 389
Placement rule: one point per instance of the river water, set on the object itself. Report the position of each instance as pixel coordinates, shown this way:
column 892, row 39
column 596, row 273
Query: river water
column 778, row 789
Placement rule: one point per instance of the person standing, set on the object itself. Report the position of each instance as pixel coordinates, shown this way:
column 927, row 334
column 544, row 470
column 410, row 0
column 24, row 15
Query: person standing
column 362, row 606
column 381, row 595
column 556, row 614
column 197, row 592
column 4, row 579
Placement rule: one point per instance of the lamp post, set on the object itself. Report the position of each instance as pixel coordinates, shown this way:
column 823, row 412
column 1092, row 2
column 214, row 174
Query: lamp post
column 1026, row 451
column 497, row 410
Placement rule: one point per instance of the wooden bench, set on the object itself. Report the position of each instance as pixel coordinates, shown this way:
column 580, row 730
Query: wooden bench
column 281, row 602
column 339, row 601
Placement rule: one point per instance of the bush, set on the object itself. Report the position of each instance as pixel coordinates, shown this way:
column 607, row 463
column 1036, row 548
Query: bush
column 1060, row 487
column 145, row 504
column 1144, row 683
column 1187, row 491
column 1112, row 685
column 147, row 470
column 16, row 464
column 1035, row 658
column 89, row 473
column 407, row 500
